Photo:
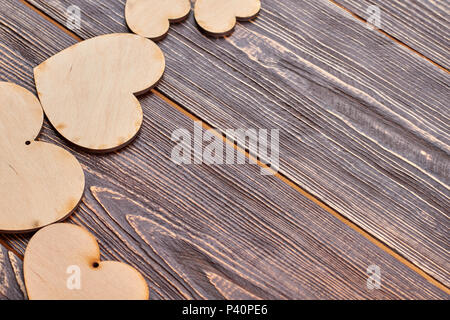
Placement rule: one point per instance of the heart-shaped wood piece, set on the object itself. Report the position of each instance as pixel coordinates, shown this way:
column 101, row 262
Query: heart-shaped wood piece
column 88, row 90
column 40, row 183
column 152, row 18
column 218, row 17
column 62, row 262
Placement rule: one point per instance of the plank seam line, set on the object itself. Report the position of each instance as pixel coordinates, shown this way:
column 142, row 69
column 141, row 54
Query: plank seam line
column 11, row 249
column 392, row 252
column 356, row 16
column 379, row 243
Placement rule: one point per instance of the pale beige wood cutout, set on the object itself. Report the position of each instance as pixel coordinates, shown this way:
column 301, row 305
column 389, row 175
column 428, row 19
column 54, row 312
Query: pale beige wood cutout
column 218, row 17
column 62, row 262
column 88, row 90
column 152, row 18
column 40, row 183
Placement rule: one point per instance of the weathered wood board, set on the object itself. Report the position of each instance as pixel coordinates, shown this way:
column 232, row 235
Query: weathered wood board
column 11, row 276
column 364, row 120
column 420, row 24
column 204, row 231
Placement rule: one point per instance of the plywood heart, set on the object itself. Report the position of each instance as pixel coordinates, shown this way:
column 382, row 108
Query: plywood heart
column 218, row 17
column 62, row 261
column 40, row 183
column 152, row 18
column 88, row 90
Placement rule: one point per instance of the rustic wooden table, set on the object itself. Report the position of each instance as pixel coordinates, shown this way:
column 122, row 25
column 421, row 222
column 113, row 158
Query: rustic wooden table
column 364, row 152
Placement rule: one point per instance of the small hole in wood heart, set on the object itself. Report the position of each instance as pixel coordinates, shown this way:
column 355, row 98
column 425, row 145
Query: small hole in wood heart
column 95, row 265
column 27, row 143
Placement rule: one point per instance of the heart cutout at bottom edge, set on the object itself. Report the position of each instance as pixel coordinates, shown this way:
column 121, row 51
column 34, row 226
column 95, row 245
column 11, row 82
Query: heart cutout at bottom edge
column 62, row 262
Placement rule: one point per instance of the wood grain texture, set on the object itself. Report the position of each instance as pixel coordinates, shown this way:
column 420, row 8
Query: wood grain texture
column 365, row 123
column 88, row 90
column 62, row 262
column 40, row 183
column 420, row 24
column 11, row 276
column 202, row 231
column 152, row 18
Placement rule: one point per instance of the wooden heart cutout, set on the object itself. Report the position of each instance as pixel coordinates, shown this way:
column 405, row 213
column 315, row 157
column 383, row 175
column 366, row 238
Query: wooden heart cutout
column 88, row 90
column 152, row 18
column 62, row 262
column 218, row 17
column 40, row 183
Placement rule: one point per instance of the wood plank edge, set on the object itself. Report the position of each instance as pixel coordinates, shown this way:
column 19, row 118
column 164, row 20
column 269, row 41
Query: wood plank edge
column 394, row 39
column 5, row 244
column 51, row 20
column 311, row 197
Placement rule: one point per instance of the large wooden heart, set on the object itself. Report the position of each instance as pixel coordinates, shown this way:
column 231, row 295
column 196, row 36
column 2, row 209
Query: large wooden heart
column 152, row 18
column 40, row 183
column 218, row 17
column 88, row 90
column 62, row 262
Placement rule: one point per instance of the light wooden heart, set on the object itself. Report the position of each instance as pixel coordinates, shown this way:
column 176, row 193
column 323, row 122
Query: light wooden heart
column 62, row 262
column 87, row 91
column 218, row 17
column 151, row 18
column 40, row 183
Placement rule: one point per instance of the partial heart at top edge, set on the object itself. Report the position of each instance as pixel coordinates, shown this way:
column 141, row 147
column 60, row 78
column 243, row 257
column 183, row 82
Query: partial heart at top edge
column 152, row 18
column 218, row 18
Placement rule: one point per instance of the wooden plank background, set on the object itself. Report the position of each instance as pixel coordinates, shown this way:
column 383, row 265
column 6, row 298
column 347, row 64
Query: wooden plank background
column 420, row 24
column 202, row 232
column 11, row 276
column 364, row 120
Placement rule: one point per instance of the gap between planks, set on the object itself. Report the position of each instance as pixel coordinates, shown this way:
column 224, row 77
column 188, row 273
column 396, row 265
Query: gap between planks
column 283, row 178
column 9, row 248
column 390, row 36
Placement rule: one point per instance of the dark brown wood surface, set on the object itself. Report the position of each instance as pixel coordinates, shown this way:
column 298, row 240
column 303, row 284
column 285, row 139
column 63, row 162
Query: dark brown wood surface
column 365, row 121
column 11, row 276
column 206, row 232
column 423, row 25
column 202, row 231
